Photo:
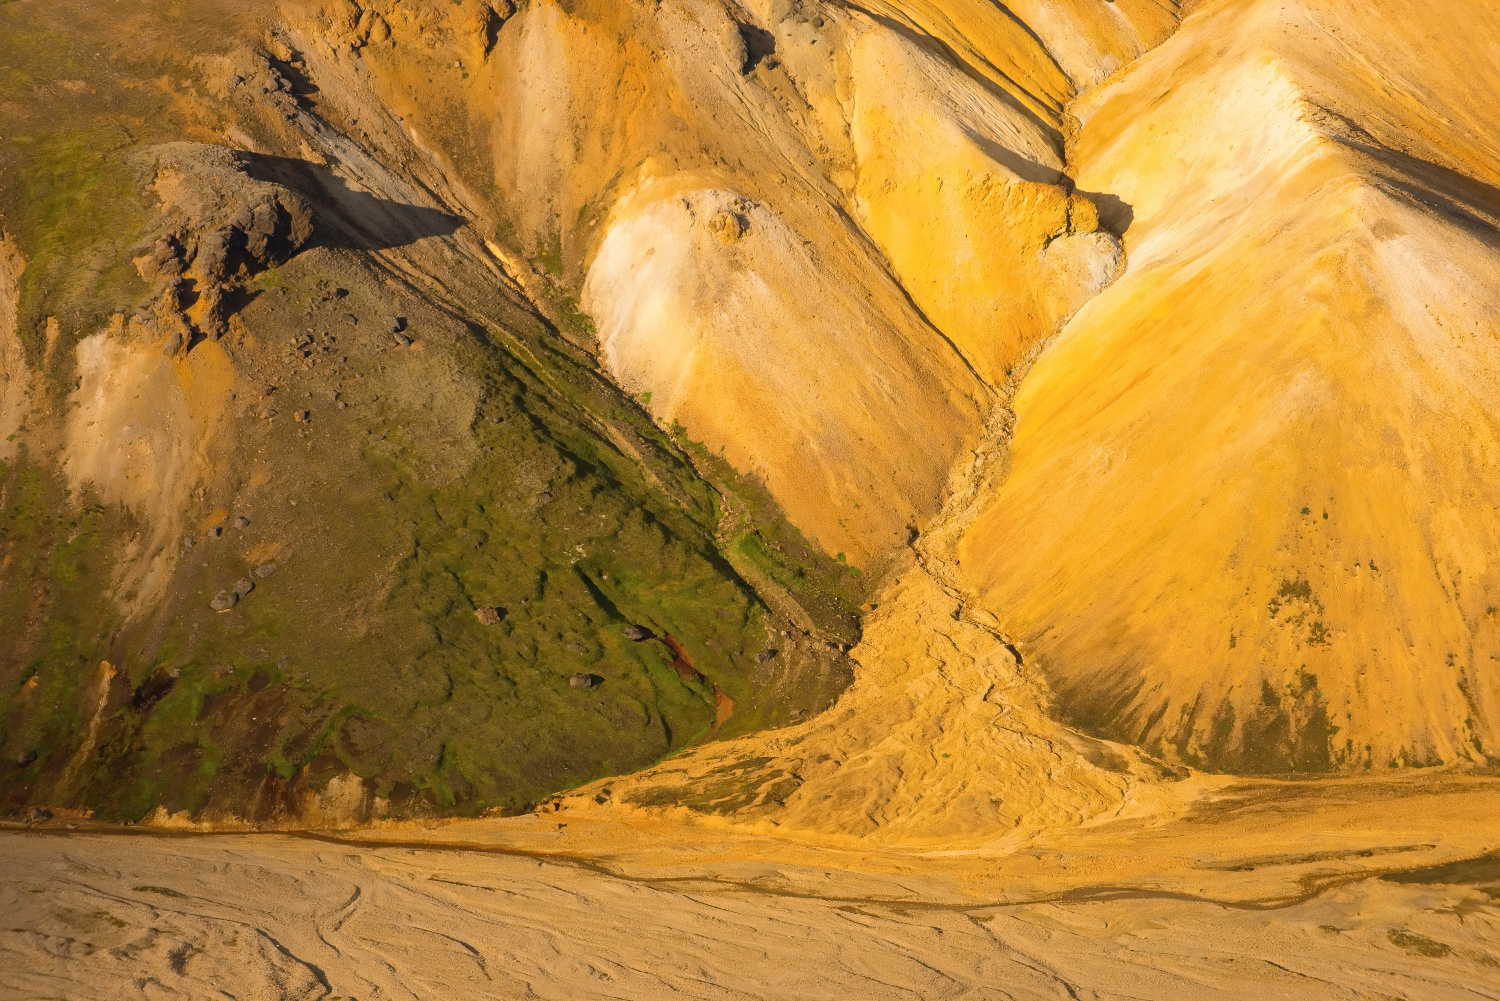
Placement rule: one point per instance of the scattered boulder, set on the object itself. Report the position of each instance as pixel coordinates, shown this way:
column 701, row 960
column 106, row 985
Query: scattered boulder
column 729, row 227
column 764, row 656
column 38, row 815
column 188, row 542
column 581, row 680
column 25, row 758
column 224, row 601
column 398, row 324
column 637, row 633
column 242, row 523
column 302, row 416
column 402, row 339
column 488, row 615
column 243, row 588
column 216, row 531
column 265, row 570
column 351, row 319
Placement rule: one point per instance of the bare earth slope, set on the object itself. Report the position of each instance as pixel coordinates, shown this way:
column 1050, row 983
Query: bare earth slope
column 1248, row 518
column 859, row 478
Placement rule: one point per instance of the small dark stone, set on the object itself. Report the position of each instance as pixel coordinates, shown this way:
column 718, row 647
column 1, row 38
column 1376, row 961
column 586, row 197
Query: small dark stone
column 242, row 523
column 265, row 570
column 398, row 324
column 302, row 416
column 235, row 80
column 25, row 758
column 216, row 531
column 402, row 339
column 638, row 633
column 38, row 815
column 351, row 319
column 243, row 588
column 764, row 656
column 223, row 601
column 581, row 681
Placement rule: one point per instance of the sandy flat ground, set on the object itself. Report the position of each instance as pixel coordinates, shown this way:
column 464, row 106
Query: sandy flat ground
column 94, row 914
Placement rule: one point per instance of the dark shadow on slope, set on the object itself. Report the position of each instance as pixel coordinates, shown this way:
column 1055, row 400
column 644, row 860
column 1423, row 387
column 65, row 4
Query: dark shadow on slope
column 759, row 44
column 345, row 217
column 1472, row 203
column 1115, row 213
column 946, row 51
column 1483, row 872
column 1024, row 168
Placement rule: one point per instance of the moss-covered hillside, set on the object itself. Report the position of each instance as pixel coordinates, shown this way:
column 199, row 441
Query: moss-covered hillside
column 279, row 508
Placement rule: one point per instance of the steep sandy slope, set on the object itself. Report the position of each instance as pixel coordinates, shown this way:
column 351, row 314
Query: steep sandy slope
column 1247, row 515
column 812, row 233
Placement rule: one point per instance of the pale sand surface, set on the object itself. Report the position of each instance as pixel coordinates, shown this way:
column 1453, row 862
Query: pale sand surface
column 1306, row 890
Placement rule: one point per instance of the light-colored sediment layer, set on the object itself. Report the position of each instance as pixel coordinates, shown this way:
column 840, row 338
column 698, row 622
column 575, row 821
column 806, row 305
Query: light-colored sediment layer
column 941, row 740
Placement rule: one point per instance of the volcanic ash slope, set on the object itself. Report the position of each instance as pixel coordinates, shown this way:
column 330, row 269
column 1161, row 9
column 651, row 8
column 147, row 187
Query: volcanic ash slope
column 1250, row 514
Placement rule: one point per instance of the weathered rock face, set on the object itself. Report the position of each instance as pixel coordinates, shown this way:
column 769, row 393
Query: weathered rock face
column 218, row 226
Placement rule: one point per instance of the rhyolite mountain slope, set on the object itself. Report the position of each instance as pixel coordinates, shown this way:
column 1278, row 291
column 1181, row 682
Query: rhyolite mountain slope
column 1048, row 332
column 1249, row 511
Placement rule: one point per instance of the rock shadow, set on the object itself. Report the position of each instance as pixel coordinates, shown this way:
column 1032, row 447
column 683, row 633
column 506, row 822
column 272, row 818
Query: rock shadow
column 344, row 217
column 1472, row 203
column 1115, row 213
column 760, row 45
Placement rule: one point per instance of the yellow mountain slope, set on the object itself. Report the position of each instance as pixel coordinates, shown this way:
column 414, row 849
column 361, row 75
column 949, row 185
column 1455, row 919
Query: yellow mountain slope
column 1248, row 516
